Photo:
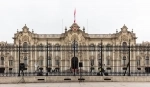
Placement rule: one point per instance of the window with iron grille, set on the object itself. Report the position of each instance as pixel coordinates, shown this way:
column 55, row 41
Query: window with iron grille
column 138, row 62
column 147, row 60
column 92, row 62
column 124, row 60
column 92, row 47
column 25, row 47
column 2, row 60
column 57, row 62
column 41, row 62
column 108, row 62
column 49, row 61
column 124, row 44
column 25, row 61
column 57, row 47
column 10, row 62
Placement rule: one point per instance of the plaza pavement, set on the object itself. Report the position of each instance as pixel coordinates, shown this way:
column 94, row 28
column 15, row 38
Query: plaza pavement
column 81, row 84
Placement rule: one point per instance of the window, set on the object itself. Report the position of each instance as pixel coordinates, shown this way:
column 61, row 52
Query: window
column 92, row 47
column 99, row 47
column 49, row 47
column 108, row 47
column 147, row 60
column 57, row 62
column 10, row 62
column 49, row 61
column 41, row 47
column 2, row 60
column 108, row 61
column 124, row 60
column 25, row 61
column 138, row 62
column 92, row 62
column 41, row 62
column 57, row 47
column 124, row 44
column 25, row 46
column 75, row 45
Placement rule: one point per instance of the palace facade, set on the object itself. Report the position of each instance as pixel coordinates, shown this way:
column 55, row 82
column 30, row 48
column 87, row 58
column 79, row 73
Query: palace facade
column 62, row 59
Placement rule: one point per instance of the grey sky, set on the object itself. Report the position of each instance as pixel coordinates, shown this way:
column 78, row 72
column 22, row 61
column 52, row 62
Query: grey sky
column 45, row 16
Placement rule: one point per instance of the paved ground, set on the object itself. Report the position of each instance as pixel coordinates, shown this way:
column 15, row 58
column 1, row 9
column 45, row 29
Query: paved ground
column 83, row 84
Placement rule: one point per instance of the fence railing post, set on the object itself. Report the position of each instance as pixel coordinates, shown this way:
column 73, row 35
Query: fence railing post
column 129, row 58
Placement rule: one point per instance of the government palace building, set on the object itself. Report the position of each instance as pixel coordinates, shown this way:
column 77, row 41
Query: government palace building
column 112, row 61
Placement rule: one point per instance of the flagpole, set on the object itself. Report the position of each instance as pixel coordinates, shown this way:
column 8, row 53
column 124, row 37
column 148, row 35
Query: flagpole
column 62, row 25
column 87, row 25
column 75, row 15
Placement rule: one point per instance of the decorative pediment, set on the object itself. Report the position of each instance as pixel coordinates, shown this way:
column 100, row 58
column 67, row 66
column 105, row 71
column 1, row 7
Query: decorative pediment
column 124, row 28
column 74, row 27
column 25, row 29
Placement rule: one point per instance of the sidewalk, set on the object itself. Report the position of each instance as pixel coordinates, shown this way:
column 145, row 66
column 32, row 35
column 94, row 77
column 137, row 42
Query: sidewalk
column 82, row 84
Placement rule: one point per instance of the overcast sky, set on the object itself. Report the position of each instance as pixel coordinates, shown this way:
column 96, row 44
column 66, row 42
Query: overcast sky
column 45, row 16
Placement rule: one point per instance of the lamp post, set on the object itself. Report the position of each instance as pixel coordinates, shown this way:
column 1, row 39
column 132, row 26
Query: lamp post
column 101, row 59
column 47, row 59
column 19, row 59
column 74, row 56
column 129, row 57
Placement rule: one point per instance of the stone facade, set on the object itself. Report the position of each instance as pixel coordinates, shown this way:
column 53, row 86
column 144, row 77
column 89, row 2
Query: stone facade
column 114, row 59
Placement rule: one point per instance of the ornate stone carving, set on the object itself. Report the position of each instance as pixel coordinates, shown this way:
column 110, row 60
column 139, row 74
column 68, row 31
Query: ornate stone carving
column 124, row 38
column 25, row 38
column 74, row 37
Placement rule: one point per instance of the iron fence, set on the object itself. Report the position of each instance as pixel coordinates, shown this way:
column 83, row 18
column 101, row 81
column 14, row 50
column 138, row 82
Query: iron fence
column 132, row 66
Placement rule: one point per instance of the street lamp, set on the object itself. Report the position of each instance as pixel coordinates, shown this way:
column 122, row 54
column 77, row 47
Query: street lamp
column 19, row 59
column 74, row 56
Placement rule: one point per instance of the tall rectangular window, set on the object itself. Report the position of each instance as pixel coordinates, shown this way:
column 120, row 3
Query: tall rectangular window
column 57, row 62
column 49, row 61
column 124, row 61
column 108, row 62
column 147, row 60
column 138, row 62
column 10, row 62
column 92, row 62
column 2, row 60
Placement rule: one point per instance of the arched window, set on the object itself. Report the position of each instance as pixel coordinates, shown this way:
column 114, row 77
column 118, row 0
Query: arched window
column 49, row 61
column 41, row 62
column 92, row 47
column 41, row 47
column 91, row 62
column 99, row 60
column 25, row 61
column 138, row 62
column 108, row 61
column 57, row 47
column 99, row 47
column 25, row 46
column 124, row 60
column 147, row 60
column 10, row 62
column 49, row 47
column 124, row 44
column 2, row 60
column 75, row 44
column 57, row 62
column 108, row 47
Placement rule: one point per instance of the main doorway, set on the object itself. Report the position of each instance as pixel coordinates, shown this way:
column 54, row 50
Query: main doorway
column 74, row 63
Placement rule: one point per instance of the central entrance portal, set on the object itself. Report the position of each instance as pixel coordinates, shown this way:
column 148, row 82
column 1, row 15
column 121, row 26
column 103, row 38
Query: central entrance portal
column 74, row 63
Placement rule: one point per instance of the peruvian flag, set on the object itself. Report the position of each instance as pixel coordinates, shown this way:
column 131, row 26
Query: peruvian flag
column 74, row 15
